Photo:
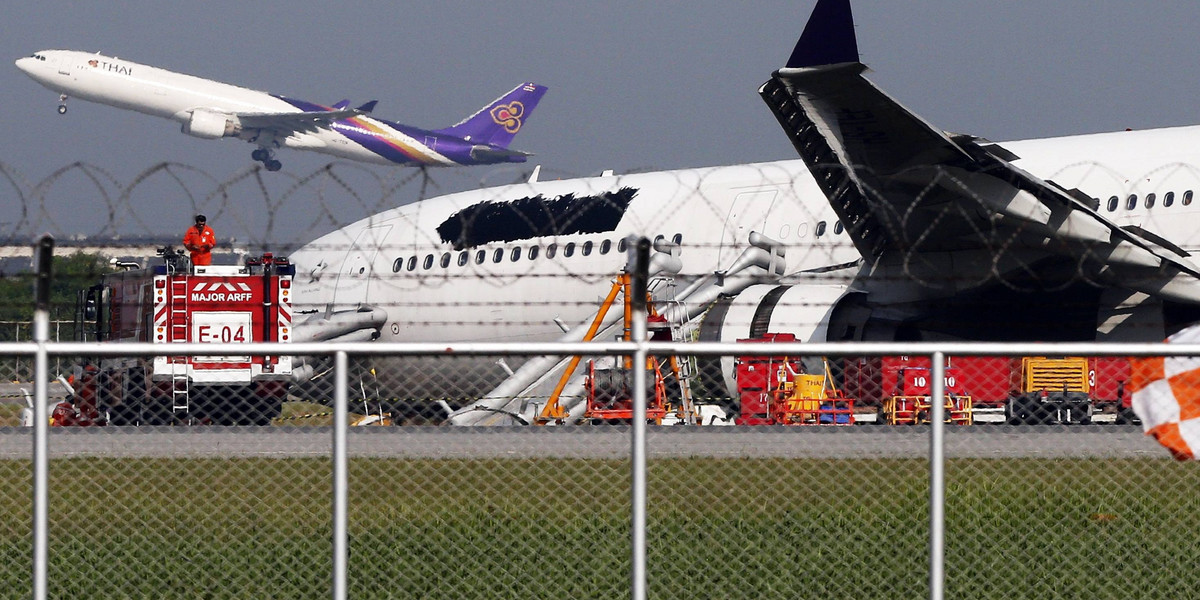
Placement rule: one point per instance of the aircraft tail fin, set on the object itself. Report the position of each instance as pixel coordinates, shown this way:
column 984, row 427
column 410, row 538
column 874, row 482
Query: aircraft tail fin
column 497, row 123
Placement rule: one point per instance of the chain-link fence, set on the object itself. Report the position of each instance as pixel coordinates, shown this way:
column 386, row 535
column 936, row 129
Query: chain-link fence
column 815, row 494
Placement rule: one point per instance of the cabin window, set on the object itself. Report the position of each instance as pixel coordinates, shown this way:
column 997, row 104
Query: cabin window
column 551, row 250
column 678, row 239
column 428, row 263
column 605, row 246
column 586, row 249
column 516, row 254
column 480, row 256
column 1112, row 203
column 1187, row 198
column 412, row 263
column 498, row 255
column 1150, row 200
column 533, row 252
column 1131, row 202
column 399, row 262
column 621, row 245
column 802, row 230
column 837, row 228
column 445, row 262
column 820, row 228
column 569, row 249
column 463, row 257
column 1168, row 199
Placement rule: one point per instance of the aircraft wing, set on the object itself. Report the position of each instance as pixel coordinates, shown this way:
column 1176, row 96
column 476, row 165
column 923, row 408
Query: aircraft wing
column 910, row 193
column 289, row 122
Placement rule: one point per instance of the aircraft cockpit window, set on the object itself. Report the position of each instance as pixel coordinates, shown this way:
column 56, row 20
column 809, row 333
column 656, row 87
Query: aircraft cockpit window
column 1150, row 200
column 480, row 256
column 428, row 263
column 533, row 252
column 837, row 228
column 605, row 246
column 498, row 255
column 516, row 254
column 586, row 250
column 1187, row 198
column 568, row 250
column 820, row 228
column 1131, row 202
column 1168, row 199
column 399, row 262
column 550, row 250
column 463, row 257
column 445, row 262
column 1112, row 203
column 412, row 263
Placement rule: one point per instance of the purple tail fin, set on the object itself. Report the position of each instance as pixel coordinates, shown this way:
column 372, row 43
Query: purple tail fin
column 498, row 122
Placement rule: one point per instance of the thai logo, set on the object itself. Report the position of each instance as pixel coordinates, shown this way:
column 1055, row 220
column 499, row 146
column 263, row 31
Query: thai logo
column 509, row 115
column 93, row 63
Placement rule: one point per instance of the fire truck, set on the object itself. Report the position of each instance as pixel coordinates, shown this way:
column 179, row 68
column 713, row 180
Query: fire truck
column 173, row 303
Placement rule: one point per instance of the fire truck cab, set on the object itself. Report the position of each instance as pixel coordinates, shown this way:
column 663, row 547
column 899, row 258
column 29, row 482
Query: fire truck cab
column 173, row 303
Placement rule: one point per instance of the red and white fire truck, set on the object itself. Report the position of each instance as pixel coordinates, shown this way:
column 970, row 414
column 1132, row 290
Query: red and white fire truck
column 172, row 303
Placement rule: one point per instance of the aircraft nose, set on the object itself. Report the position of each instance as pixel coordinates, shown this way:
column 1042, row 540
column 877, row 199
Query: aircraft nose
column 25, row 63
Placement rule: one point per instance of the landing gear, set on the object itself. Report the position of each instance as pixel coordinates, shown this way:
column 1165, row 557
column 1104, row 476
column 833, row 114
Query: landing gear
column 62, row 104
column 267, row 158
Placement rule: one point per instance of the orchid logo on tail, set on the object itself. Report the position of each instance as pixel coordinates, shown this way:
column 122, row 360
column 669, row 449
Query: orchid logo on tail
column 509, row 115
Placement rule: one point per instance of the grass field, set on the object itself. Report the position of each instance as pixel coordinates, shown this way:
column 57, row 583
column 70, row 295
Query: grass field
column 558, row 528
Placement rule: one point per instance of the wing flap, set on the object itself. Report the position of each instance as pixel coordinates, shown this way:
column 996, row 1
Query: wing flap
column 904, row 188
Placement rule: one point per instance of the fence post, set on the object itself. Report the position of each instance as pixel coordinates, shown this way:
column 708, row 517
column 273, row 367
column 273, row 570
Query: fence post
column 44, row 254
column 641, row 276
column 340, row 419
column 937, row 483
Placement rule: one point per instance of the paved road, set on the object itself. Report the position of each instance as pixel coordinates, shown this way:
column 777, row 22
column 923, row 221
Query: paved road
column 863, row 441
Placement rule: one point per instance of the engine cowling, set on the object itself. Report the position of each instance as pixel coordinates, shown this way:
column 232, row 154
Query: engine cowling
column 210, row 125
column 804, row 310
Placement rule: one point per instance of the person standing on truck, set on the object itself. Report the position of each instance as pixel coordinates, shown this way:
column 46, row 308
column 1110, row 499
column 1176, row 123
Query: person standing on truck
column 200, row 240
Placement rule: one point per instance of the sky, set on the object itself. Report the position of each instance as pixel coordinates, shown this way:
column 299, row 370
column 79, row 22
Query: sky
column 634, row 86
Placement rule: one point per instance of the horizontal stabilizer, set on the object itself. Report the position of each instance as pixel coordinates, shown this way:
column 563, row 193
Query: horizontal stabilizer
column 341, row 105
column 368, row 107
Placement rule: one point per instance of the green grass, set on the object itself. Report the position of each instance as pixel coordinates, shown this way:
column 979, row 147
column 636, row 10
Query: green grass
column 558, row 528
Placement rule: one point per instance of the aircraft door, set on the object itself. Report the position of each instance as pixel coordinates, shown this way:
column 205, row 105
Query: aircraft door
column 357, row 270
column 747, row 213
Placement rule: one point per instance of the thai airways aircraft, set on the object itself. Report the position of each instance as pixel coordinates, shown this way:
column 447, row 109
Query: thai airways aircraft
column 211, row 110
column 886, row 229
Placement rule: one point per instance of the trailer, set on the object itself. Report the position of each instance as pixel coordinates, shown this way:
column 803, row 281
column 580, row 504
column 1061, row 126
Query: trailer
column 1030, row 389
column 174, row 303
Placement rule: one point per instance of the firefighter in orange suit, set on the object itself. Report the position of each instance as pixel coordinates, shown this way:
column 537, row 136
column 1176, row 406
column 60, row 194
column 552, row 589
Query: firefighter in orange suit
column 200, row 240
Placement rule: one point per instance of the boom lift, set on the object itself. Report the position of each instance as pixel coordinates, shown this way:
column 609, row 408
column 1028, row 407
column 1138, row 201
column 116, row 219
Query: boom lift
column 608, row 387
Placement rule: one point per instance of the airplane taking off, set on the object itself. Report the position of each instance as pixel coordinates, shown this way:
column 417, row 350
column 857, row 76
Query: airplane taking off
column 211, row 110
column 886, row 229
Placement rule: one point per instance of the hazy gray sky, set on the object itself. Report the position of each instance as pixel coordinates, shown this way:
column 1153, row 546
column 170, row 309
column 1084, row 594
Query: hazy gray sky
column 633, row 85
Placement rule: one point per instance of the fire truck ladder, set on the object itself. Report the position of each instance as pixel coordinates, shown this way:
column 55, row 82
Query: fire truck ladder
column 178, row 318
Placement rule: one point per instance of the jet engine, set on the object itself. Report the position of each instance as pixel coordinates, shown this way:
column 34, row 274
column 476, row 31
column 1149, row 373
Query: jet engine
column 210, row 125
column 806, row 310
